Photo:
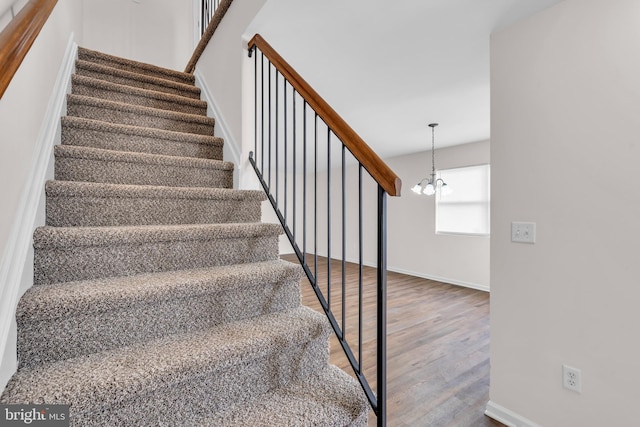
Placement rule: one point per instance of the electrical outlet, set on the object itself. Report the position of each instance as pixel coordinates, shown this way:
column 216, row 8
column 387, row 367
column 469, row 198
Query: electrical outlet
column 572, row 378
column 523, row 232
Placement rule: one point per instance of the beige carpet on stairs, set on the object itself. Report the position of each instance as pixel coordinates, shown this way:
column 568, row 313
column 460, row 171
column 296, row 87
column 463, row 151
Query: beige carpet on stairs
column 159, row 299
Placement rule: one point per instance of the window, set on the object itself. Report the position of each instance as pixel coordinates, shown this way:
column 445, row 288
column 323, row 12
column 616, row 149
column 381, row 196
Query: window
column 465, row 210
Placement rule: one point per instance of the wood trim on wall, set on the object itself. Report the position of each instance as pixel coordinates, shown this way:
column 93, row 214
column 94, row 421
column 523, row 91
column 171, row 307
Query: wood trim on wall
column 18, row 36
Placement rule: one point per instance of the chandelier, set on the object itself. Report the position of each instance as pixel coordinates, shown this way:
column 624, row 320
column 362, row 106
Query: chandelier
column 429, row 186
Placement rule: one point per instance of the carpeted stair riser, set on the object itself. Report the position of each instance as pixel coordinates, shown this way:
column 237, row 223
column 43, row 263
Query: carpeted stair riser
column 66, row 320
column 134, row 66
column 122, row 77
column 82, row 204
column 87, row 86
column 64, row 254
column 326, row 398
column 134, row 115
column 212, row 368
column 96, row 165
column 78, row 131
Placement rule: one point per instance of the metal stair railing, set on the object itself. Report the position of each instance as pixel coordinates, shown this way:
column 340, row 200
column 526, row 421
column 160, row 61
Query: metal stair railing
column 295, row 132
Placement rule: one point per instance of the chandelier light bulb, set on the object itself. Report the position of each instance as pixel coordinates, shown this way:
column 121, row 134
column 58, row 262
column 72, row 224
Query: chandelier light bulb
column 417, row 188
column 429, row 190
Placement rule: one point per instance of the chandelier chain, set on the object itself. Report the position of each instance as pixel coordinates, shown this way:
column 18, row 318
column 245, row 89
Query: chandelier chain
column 433, row 152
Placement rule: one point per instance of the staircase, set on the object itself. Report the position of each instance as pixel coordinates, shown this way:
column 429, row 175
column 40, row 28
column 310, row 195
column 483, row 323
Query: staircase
column 159, row 299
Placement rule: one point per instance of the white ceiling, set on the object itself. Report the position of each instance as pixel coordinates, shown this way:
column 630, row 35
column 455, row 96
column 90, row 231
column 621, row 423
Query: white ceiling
column 389, row 68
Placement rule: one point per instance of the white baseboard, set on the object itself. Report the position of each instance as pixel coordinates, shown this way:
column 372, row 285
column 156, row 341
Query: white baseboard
column 456, row 282
column 15, row 273
column 485, row 288
column 231, row 148
column 507, row 417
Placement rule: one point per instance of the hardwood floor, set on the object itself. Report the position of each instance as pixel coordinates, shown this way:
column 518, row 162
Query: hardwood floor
column 437, row 345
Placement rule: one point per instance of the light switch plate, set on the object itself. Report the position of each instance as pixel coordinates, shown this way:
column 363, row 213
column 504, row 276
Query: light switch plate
column 523, row 232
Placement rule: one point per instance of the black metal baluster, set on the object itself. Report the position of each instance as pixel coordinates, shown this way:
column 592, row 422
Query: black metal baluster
column 304, row 181
column 295, row 160
column 360, row 262
column 344, row 245
column 255, row 100
column 286, row 131
column 315, row 202
column 277, row 142
column 382, row 309
column 329, row 217
column 269, row 114
column 204, row 19
column 262, row 108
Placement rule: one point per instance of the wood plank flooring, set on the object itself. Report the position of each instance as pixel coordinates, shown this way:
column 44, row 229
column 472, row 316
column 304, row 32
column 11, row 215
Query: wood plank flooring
column 437, row 344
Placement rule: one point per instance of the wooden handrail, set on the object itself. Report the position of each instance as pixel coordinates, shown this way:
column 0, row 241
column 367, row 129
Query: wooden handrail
column 376, row 167
column 18, row 36
column 221, row 10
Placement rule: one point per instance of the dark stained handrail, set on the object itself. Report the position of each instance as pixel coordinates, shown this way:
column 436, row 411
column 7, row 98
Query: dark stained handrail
column 378, row 169
column 18, row 36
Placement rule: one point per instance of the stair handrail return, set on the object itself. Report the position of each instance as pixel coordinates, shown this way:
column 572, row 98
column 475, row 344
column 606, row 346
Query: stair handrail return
column 18, row 36
column 266, row 155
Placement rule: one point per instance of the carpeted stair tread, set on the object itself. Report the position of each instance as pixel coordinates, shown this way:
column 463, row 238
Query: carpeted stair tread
column 76, row 163
column 327, row 398
column 89, row 86
column 85, row 132
column 134, row 66
column 115, row 75
column 81, row 204
column 59, row 321
column 101, row 295
column 85, row 189
column 135, row 115
column 65, row 254
column 92, row 383
column 152, row 159
column 70, row 237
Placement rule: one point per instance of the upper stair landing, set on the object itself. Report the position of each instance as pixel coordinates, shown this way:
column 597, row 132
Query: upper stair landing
column 134, row 66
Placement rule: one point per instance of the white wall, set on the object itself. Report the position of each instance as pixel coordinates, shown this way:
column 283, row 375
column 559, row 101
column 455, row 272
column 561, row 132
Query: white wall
column 564, row 152
column 159, row 32
column 22, row 110
column 414, row 246
column 223, row 65
column 227, row 72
